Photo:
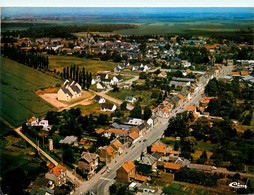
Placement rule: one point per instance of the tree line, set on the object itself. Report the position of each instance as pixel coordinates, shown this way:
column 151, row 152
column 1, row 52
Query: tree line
column 81, row 76
column 66, row 31
column 30, row 58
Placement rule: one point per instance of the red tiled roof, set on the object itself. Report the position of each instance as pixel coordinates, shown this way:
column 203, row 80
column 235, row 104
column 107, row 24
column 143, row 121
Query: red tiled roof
column 117, row 131
column 32, row 119
column 192, row 108
column 134, row 135
column 128, row 166
column 57, row 170
column 158, row 148
column 110, row 150
column 117, row 144
column 99, row 131
column 244, row 73
column 172, row 166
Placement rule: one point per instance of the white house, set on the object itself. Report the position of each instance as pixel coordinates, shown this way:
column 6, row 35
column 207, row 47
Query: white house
column 108, row 107
column 130, row 99
column 69, row 90
column 99, row 99
column 117, row 79
column 93, row 82
column 100, row 85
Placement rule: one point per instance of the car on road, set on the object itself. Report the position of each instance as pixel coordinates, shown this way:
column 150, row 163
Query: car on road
column 108, row 170
column 144, row 140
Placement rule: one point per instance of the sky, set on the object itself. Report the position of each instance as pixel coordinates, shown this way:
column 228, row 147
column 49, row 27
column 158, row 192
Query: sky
column 127, row 3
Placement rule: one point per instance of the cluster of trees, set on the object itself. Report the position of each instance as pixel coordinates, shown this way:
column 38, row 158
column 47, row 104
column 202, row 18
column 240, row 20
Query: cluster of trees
column 119, row 190
column 136, row 112
column 225, row 105
column 30, row 58
column 192, row 176
column 220, row 131
column 179, row 125
column 197, row 55
column 81, row 76
column 67, row 30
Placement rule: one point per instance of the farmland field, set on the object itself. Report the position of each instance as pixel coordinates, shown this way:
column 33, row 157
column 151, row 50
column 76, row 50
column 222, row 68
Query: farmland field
column 59, row 62
column 18, row 83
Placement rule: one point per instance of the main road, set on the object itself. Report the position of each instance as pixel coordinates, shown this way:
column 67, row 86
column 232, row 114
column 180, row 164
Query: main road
column 101, row 181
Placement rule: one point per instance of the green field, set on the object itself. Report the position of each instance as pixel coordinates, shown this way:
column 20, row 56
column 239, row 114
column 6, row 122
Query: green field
column 144, row 95
column 18, row 84
column 191, row 26
column 59, row 62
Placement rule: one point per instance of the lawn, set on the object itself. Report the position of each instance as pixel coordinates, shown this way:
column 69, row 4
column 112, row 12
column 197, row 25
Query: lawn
column 93, row 66
column 18, row 84
column 93, row 108
column 144, row 95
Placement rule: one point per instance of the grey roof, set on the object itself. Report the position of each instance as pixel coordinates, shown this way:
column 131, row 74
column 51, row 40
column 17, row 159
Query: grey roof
column 183, row 79
column 68, row 140
column 66, row 91
column 97, row 98
column 121, row 126
column 129, row 98
column 156, row 155
column 247, row 77
column 88, row 157
column 75, row 88
column 141, row 126
column 148, row 160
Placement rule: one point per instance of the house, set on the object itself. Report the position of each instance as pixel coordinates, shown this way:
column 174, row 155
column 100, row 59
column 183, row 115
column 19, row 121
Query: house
column 88, row 161
column 133, row 135
column 152, row 121
column 117, row 69
column 36, row 122
column 130, row 99
column 118, row 133
column 162, row 74
column 69, row 90
column 100, row 85
column 108, row 107
column 69, row 140
column 117, row 79
column 106, row 154
column 99, row 99
column 123, row 174
column 158, row 148
column 32, row 121
column 58, row 174
column 149, row 160
column 169, row 167
column 117, row 146
column 132, row 121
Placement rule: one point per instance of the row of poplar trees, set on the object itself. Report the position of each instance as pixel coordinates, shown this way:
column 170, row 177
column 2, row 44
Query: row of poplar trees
column 83, row 77
column 29, row 58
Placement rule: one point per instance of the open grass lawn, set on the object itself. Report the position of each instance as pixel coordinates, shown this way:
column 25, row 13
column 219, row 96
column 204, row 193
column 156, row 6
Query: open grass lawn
column 93, row 108
column 59, row 62
column 144, row 95
column 18, row 84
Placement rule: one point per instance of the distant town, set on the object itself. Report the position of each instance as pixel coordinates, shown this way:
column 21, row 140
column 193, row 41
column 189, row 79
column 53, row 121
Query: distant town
column 103, row 113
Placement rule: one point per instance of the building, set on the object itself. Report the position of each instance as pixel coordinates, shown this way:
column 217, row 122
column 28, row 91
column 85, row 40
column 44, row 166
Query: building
column 69, row 140
column 69, row 90
column 130, row 99
column 108, row 107
column 88, row 161
column 58, row 174
column 169, row 167
column 99, row 99
column 123, row 174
